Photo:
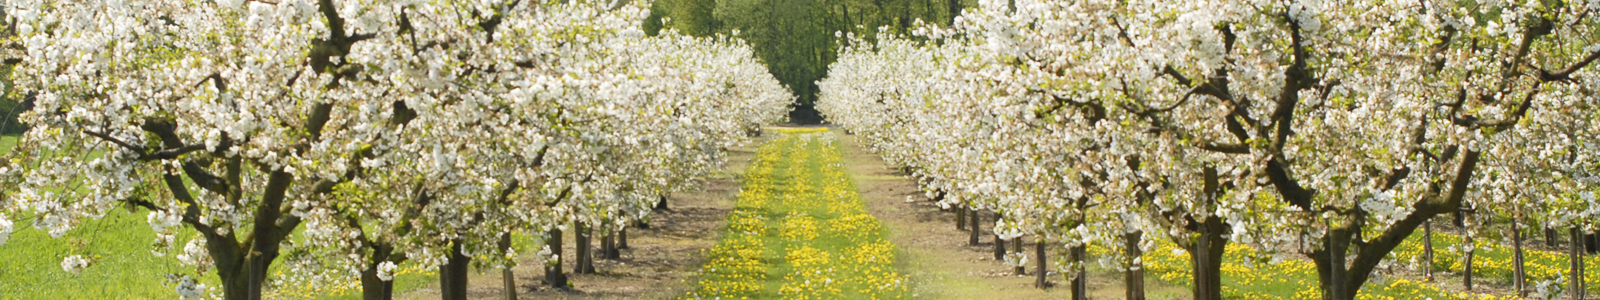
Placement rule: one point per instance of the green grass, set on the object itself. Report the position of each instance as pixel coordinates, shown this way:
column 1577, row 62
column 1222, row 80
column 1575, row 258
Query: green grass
column 804, row 218
column 124, row 266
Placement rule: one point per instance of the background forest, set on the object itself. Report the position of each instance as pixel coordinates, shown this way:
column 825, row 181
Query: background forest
column 795, row 38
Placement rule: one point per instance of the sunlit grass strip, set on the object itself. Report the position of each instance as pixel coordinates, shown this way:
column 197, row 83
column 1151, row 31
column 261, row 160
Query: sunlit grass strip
column 1248, row 274
column 800, row 230
column 1492, row 260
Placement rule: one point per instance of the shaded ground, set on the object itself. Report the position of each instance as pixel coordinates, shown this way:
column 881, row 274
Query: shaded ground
column 657, row 266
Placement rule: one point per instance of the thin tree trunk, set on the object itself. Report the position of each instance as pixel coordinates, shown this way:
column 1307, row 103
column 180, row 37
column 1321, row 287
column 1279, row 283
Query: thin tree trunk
column 961, row 218
column 1466, row 272
column 1332, row 273
column 661, row 205
column 553, row 273
column 622, row 240
column 999, row 248
column 1134, row 274
column 1427, row 250
column 507, row 277
column 976, row 229
column 612, row 251
column 1519, row 274
column 1080, row 280
column 1016, row 245
column 585, row 256
column 1550, row 236
column 1575, row 258
column 608, row 242
column 1043, row 265
column 453, row 274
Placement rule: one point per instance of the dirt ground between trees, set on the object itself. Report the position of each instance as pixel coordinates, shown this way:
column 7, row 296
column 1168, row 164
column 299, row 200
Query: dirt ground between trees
column 663, row 259
column 933, row 254
column 660, row 263
column 936, row 256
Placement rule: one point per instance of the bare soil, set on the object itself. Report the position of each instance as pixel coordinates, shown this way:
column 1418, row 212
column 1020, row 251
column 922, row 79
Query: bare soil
column 659, row 264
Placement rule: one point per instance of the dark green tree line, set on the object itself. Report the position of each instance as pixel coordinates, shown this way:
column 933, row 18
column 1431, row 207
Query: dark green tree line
column 795, row 38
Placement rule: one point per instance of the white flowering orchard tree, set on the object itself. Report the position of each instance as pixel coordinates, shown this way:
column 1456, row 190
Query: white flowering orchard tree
column 1333, row 130
column 216, row 116
column 394, row 130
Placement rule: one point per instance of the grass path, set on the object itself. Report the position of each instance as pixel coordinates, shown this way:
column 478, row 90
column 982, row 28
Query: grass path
column 799, row 230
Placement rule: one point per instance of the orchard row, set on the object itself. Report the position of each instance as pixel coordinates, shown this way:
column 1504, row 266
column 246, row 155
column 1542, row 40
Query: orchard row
column 337, row 139
column 1328, row 131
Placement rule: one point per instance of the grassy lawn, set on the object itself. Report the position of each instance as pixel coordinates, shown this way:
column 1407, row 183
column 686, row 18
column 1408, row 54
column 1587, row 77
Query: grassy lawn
column 125, row 266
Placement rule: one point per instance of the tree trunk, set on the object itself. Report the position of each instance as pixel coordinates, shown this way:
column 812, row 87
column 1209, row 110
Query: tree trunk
column 507, row 276
column 610, row 245
column 1134, row 274
column 1593, row 240
column 244, row 270
column 1331, row 267
column 1518, row 274
column 622, row 240
column 973, row 239
column 585, row 256
column 1043, row 265
column 1550, row 236
column 1575, row 258
column 553, row 273
column 1080, row 280
column 1206, row 258
column 1466, row 272
column 999, row 248
column 373, row 287
column 961, row 218
column 1016, row 245
column 661, row 205
column 453, row 274
column 1427, row 250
